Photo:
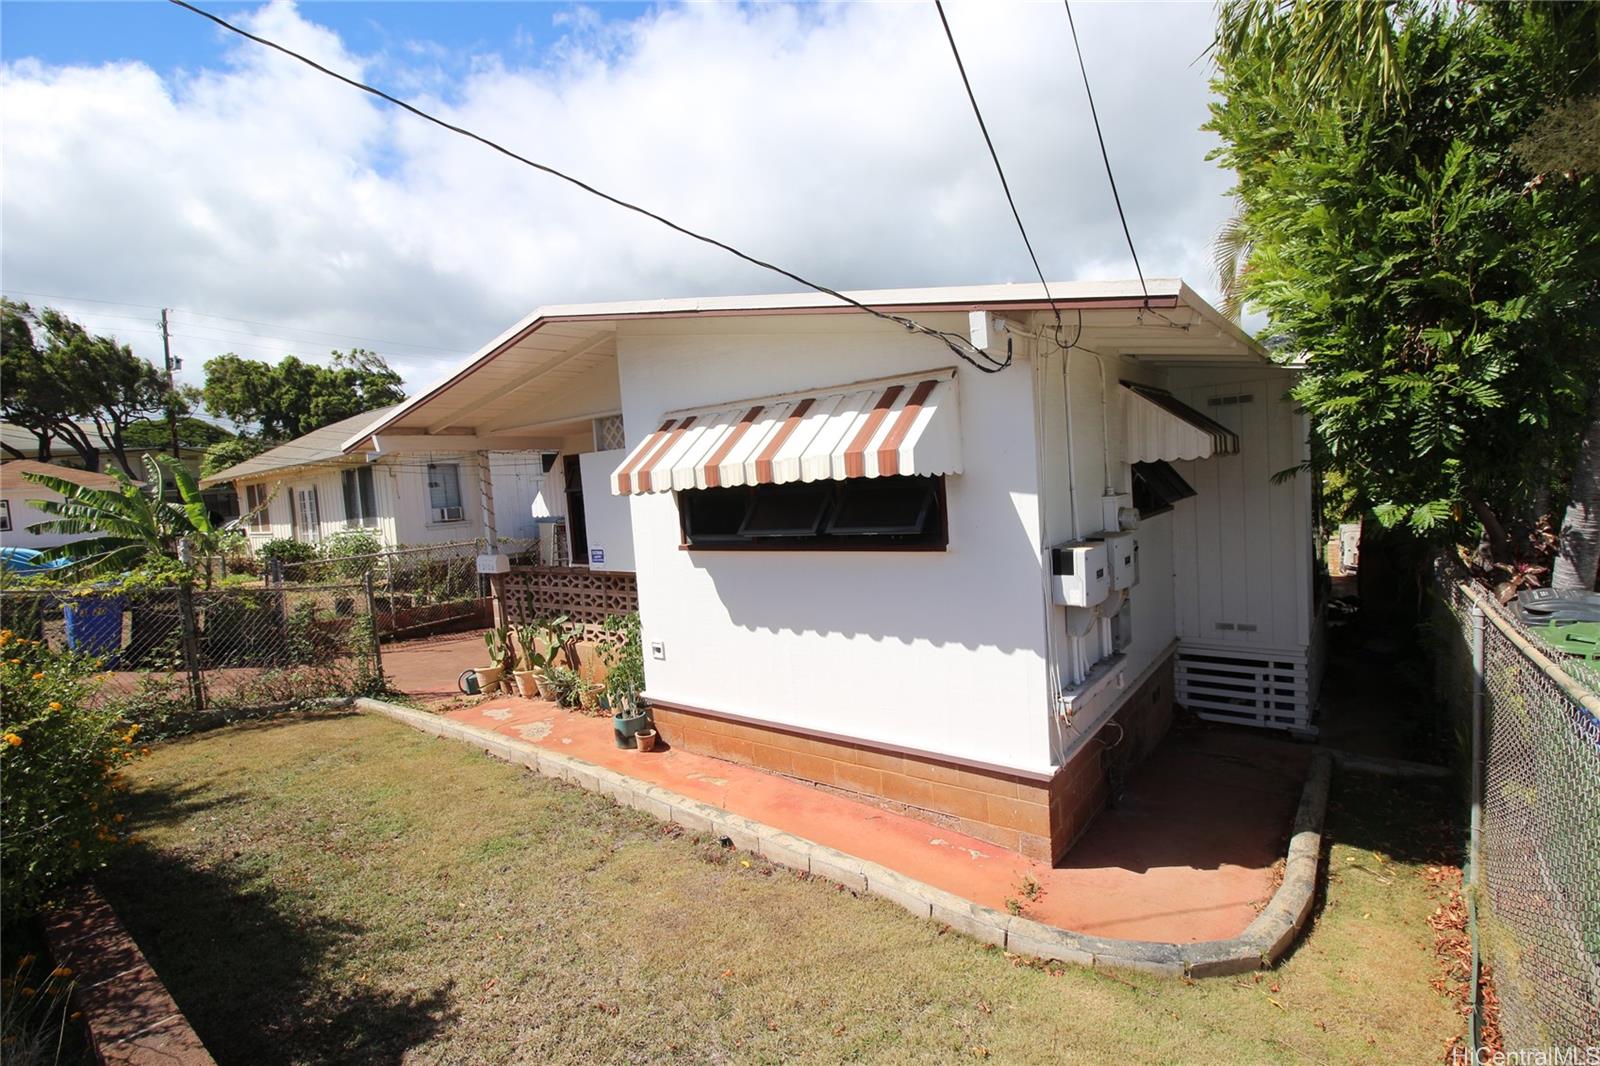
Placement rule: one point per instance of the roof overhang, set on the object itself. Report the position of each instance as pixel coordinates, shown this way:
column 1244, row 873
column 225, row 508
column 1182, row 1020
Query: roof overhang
column 556, row 367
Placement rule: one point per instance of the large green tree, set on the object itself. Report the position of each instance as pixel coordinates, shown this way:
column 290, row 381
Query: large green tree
column 285, row 400
column 1440, row 284
column 67, row 385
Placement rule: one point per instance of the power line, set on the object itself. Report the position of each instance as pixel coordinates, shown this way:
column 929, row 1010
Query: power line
column 998, row 169
column 226, row 318
column 961, row 346
column 1103, row 155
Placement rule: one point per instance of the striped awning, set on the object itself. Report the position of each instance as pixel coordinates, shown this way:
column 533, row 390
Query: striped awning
column 902, row 425
column 1162, row 427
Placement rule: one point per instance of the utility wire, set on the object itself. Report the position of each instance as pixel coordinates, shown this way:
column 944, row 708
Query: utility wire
column 1103, row 155
column 961, row 346
column 998, row 169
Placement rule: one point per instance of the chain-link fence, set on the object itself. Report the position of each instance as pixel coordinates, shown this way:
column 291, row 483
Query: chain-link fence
column 176, row 659
column 431, row 588
column 1530, row 721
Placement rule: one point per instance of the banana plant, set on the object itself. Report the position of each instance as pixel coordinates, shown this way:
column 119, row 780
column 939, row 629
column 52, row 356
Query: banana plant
column 130, row 525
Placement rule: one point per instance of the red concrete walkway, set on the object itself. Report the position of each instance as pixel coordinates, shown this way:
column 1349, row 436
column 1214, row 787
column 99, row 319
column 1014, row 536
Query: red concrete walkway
column 1187, row 855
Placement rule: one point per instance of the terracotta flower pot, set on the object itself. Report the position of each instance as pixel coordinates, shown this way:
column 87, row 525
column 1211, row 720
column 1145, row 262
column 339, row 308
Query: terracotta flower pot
column 646, row 739
column 547, row 691
column 527, row 684
column 489, row 678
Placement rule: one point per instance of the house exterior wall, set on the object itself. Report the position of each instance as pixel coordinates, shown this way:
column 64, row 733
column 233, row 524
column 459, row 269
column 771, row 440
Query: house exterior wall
column 907, row 648
column 400, row 491
column 607, row 518
column 24, row 515
column 1243, row 548
column 1083, row 458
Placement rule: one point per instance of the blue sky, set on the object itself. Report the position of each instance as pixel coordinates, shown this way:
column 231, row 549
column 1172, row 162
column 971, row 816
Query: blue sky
column 169, row 39
column 151, row 160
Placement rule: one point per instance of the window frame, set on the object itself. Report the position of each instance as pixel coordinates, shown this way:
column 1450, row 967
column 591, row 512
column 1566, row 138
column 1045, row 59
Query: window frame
column 365, row 484
column 5, row 516
column 310, row 534
column 461, row 496
column 257, row 518
column 936, row 537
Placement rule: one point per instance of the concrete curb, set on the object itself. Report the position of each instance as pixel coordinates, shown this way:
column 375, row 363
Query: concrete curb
column 1378, row 764
column 1258, row 946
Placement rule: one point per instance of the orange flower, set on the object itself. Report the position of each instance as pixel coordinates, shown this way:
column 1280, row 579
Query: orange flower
column 61, row 971
column 55, row 705
column 39, row 676
column 12, row 739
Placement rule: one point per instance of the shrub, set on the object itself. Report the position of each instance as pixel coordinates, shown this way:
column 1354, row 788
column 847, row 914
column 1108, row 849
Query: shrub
column 59, row 761
column 571, row 688
column 286, row 550
column 346, row 550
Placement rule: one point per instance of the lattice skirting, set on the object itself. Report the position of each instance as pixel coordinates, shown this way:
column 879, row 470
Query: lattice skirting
column 1269, row 687
column 587, row 597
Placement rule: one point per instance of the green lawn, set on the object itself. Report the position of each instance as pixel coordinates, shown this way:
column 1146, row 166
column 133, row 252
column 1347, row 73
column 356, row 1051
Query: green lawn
column 342, row 888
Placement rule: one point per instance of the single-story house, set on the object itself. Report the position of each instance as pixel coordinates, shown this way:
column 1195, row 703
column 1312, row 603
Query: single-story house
column 863, row 561
column 17, row 495
column 310, row 488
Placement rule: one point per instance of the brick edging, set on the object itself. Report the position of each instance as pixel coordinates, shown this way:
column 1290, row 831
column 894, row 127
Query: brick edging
column 1260, row 945
column 130, row 1015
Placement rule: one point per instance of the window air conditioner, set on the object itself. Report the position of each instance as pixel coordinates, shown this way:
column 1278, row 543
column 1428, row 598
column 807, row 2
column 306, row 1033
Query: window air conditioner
column 447, row 514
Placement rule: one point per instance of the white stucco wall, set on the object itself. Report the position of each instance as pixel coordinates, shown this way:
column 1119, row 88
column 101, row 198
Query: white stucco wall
column 940, row 651
column 608, row 519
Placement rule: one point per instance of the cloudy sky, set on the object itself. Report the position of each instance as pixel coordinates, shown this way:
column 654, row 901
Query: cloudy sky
column 150, row 159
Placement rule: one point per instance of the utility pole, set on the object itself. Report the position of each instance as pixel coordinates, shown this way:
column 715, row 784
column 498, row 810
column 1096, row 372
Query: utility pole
column 172, row 386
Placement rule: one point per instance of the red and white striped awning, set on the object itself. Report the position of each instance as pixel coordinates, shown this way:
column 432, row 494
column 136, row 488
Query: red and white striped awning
column 902, row 425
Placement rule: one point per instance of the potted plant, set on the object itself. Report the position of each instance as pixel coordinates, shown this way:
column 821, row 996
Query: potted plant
column 532, row 661
column 557, row 634
column 645, row 739
column 623, row 652
column 630, row 720
column 498, row 642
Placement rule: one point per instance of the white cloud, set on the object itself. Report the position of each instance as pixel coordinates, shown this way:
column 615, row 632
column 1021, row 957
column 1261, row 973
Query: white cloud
column 835, row 140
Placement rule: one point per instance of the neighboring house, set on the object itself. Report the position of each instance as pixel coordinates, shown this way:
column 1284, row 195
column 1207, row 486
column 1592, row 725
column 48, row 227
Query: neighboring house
column 17, row 494
column 219, row 499
column 309, row 489
column 863, row 562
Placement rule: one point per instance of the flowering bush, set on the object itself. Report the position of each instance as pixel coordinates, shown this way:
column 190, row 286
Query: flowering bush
column 60, row 757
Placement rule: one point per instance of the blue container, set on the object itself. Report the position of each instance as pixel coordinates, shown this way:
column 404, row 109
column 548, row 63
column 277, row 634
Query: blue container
column 94, row 626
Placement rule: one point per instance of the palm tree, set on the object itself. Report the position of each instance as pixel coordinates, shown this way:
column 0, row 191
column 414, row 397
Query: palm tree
column 130, row 525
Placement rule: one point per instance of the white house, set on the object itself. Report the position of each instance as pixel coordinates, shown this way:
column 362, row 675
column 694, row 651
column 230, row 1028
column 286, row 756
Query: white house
column 17, row 495
column 863, row 561
column 309, row 489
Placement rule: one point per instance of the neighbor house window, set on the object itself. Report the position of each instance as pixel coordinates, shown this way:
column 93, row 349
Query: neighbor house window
column 5, row 516
column 906, row 513
column 360, row 508
column 255, row 506
column 308, row 519
column 444, row 492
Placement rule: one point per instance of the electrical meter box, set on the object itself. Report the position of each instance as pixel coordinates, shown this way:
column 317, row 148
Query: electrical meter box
column 1080, row 574
column 1122, row 550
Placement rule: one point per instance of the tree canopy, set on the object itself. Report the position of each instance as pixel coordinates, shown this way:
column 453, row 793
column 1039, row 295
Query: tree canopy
column 1440, row 287
column 192, row 432
column 57, row 380
column 292, row 398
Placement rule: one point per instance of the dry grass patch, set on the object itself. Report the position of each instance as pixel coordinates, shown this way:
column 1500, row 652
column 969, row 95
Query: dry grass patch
column 342, row 888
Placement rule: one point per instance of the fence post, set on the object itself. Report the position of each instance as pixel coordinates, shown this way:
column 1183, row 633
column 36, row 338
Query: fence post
column 191, row 647
column 1475, row 617
column 1474, row 858
column 372, row 619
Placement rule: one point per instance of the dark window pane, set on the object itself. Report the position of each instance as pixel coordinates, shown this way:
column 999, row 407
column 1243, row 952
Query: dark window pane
column 713, row 514
column 793, row 510
column 369, row 505
column 883, row 506
column 1157, row 486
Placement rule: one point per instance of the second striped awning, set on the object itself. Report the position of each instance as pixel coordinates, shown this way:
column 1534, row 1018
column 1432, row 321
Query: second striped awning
column 901, row 425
